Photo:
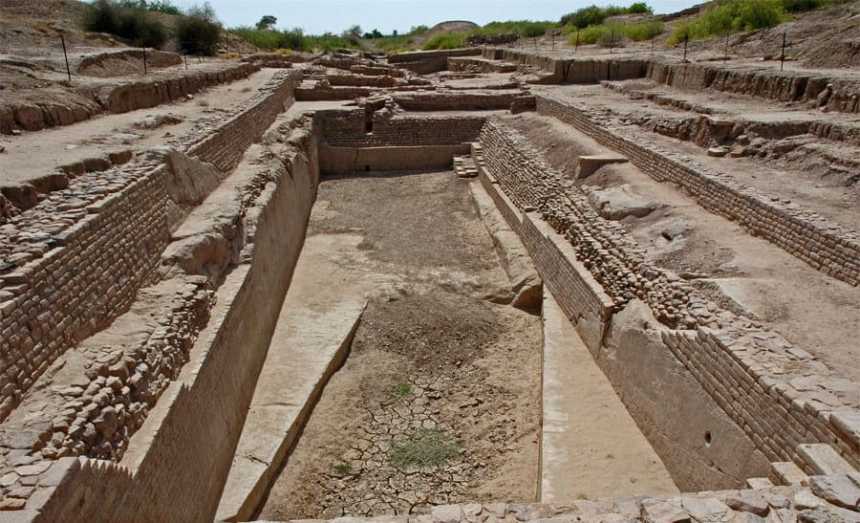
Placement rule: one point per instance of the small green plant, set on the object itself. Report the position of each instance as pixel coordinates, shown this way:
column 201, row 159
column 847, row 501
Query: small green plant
column 401, row 390
column 342, row 469
column 424, row 448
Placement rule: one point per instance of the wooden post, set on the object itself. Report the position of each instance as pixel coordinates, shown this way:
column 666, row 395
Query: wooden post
column 66, row 55
column 186, row 62
column 686, row 39
column 144, row 61
column 782, row 56
column 726, row 55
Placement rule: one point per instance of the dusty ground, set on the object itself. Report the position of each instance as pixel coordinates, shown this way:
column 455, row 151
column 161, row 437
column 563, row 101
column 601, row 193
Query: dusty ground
column 746, row 274
column 32, row 155
column 439, row 401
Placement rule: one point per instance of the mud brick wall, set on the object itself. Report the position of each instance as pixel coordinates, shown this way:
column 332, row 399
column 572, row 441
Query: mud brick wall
column 482, row 65
column 78, row 288
column 572, row 70
column 784, row 86
column 191, row 443
column 316, row 93
column 457, row 100
column 819, row 243
column 225, row 148
column 778, row 395
column 576, row 295
column 426, row 62
column 149, row 93
column 349, row 128
column 771, row 413
column 90, row 271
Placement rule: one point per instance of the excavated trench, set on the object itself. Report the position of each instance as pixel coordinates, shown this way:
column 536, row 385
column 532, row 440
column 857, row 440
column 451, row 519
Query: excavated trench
column 441, row 397
column 439, row 400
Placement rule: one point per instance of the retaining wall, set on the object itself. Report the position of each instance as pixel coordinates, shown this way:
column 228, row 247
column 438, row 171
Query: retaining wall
column 783, row 86
column 349, row 128
column 571, row 70
column 91, row 270
column 815, row 240
column 34, row 112
column 427, row 62
column 185, row 450
column 667, row 402
column 717, row 402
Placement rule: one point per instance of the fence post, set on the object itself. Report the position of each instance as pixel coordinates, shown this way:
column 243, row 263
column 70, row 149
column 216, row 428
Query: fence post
column 686, row 39
column 186, row 61
column 66, row 55
column 144, row 62
column 782, row 56
column 576, row 45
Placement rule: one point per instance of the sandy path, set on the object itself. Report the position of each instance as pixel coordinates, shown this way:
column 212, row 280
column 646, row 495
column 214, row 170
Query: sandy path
column 36, row 154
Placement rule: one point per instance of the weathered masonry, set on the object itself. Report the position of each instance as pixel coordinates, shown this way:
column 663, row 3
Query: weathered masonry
column 140, row 295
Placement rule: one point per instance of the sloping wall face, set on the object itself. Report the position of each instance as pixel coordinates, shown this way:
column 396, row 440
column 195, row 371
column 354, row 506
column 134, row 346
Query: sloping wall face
column 91, row 271
column 187, row 448
column 665, row 398
column 740, row 409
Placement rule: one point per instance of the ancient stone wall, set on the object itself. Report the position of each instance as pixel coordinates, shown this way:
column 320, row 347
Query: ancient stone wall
column 751, row 388
column 35, row 114
column 349, row 128
column 198, row 422
column 86, row 266
column 346, row 160
column 427, row 62
column 571, row 70
column 817, row 241
column 473, row 100
column 784, row 86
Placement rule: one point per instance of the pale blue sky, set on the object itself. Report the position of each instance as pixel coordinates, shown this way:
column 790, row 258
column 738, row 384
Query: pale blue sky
column 318, row 16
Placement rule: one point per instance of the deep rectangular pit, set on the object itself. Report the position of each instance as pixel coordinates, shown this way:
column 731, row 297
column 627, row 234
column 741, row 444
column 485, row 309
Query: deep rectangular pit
column 323, row 319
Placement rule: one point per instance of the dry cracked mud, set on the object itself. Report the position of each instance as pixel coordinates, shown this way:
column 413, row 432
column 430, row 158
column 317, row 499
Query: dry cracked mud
column 439, row 401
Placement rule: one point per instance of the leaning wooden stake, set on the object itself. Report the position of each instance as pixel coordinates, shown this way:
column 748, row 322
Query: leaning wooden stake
column 66, row 55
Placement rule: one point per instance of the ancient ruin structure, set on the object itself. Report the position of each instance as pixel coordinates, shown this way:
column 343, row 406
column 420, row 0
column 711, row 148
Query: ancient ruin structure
column 495, row 284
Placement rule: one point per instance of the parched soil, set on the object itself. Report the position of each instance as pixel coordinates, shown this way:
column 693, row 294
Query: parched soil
column 439, row 400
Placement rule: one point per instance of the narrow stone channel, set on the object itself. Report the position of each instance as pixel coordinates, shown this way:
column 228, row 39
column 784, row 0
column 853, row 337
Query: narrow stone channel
column 439, row 401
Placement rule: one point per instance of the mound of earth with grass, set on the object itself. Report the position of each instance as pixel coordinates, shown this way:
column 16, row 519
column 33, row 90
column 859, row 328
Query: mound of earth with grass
column 451, row 26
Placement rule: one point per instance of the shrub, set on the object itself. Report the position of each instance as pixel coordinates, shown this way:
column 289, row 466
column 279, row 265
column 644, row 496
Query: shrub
column 641, row 31
column 156, row 6
column 103, row 17
column 594, row 15
column 132, row 24
column 582, row 18
column 612, row 34
column 141, row 29
column 199, row 32
column 258, row 37
column 731, row 16
column 640, row 8
column 446, row 41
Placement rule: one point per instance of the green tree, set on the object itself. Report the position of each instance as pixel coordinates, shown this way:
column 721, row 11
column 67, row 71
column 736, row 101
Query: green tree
column 267, row 22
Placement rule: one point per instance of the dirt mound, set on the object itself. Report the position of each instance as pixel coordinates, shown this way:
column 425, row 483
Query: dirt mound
column 122, row 63
column 451, row 26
